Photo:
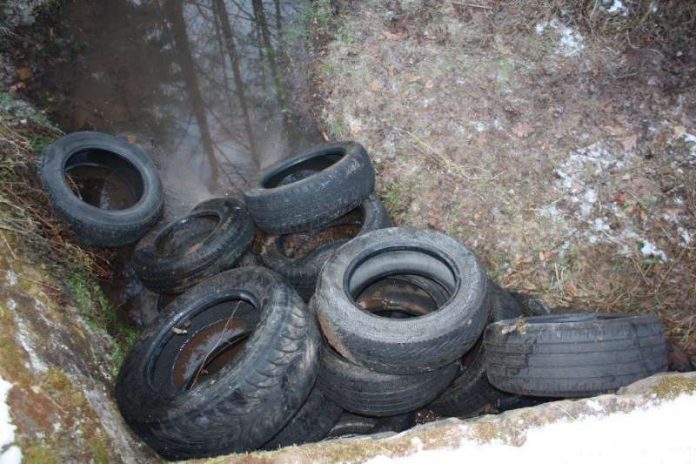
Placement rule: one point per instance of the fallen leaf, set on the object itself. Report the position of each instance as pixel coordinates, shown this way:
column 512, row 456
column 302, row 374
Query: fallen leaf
column 24, row 74
column 522, row 129
column 178, row 331
column 375, row 86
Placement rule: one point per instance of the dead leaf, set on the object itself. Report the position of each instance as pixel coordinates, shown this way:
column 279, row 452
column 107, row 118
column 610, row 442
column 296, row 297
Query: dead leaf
column 24, row 74
column 522, row 129
column 570, row 289
column 375, row 86
column 131, row 138
column 178, row 331
column 429, row 84
column 629, row 142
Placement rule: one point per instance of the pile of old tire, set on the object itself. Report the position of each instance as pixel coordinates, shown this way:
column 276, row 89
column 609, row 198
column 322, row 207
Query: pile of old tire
column 351, row 327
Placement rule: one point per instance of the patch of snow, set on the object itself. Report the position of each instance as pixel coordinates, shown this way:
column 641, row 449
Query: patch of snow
column 12, row 304
column 657, row 434
column 685, row 235
column 9, row 453
column 37, row 364
column 11, row 278
column 691, row 140
column 616, row 7
column 649, row 249
column 570, row 42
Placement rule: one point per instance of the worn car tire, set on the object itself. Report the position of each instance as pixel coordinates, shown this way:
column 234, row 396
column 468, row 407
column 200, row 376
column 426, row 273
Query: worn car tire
column 311, row 423
column 175, row 270
column 245, row 403
column 362, row 391
column 573, row 355
column 471, row 393
column 410, row 345
column 311, row 190
column 94, row 225
column 353, row 424
column 302, row 272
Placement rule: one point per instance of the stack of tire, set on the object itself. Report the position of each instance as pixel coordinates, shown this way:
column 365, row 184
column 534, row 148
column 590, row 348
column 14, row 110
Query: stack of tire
column 351, row 327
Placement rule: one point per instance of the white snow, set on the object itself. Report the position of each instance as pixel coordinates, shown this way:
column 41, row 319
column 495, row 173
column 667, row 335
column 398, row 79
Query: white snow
column 661, row 433
column 9, row 453
column 649, row 249
column 11, row 278
column 570, row 42
column 617, row 7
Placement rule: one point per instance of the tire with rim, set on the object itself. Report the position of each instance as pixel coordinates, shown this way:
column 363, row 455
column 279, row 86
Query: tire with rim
column 112, row 222
column 312, row 423
column 573, row 355
column 302, row 271
column 311, row 190
column 222, row 369
column 212, row 238
column 362, row 391
column 353, row 424
column 408, row 345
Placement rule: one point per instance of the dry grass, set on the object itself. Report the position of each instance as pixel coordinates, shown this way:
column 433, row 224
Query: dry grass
column 552, row 137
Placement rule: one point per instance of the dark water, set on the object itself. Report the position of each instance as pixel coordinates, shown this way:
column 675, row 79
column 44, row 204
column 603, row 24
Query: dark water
column 213, row 90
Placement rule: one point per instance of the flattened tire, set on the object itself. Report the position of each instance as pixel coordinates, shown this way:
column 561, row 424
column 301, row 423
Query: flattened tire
column 411, row 345
column 353, row 424
column 302, row 272
column 245, row 403
column 176, row 269
column 285, row 200
column 362, row 391
column 573, row 355
column 94, row 225
column 315, row 419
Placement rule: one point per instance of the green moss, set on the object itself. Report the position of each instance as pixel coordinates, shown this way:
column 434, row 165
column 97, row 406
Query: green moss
column 33, row 453
column 672, row 386
column 12, row 361
column 100, row 315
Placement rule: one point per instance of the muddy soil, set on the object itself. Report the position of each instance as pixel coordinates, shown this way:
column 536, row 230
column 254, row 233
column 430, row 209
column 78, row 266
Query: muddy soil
column 565, row 157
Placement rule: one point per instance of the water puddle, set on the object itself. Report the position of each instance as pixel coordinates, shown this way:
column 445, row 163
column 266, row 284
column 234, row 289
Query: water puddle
column 213, row 90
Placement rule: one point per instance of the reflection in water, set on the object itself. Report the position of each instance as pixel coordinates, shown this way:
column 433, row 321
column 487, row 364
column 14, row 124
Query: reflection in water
column 204, row 86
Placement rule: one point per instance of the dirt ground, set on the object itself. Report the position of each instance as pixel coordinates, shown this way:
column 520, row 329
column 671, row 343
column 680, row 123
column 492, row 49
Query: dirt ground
column 561, row 145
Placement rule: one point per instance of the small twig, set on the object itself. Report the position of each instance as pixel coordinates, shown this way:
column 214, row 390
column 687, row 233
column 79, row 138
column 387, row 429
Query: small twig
column 9, row 247
column 472, row 5
column 217, row 343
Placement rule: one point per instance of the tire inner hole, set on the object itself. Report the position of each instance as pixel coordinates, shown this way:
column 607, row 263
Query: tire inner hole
column 400, row 280
column 187, row 234
column 302, row 169
column 302, row 244
column 202, row 346
column 402, row 296
column 103, row 179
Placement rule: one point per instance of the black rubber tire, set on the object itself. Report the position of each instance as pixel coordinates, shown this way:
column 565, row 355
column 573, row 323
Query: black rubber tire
column 312, row 423
column 248, row 401
column 280, row 204
column 471, row 393
column 303, row 272
column 362, row 391
column 573, row 355
column 180, row 269
column 353, row 424
column 91, row 224
column 402, row 345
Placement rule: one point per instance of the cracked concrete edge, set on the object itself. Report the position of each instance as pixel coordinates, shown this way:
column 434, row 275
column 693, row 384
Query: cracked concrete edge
column 510, row 427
